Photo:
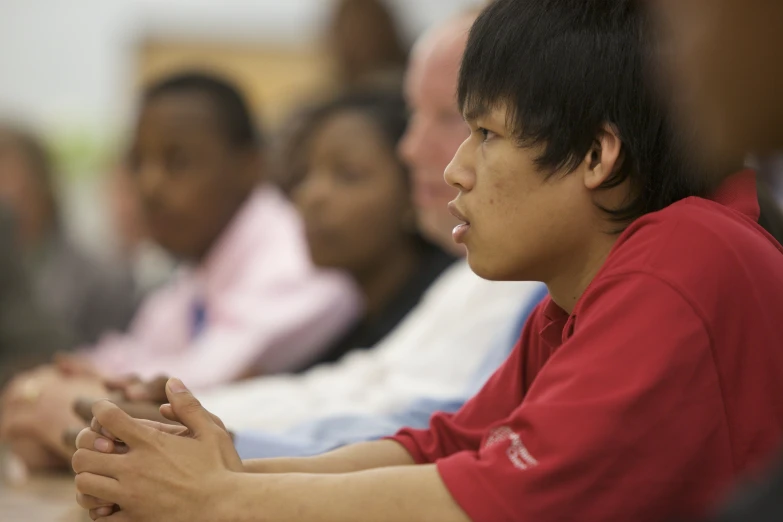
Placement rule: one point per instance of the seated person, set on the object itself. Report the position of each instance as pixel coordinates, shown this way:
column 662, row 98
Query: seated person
column 437, row 350
column 356, row 203
column 631, row 395
column 71, row 287
column 251, row 301
column 28, row 336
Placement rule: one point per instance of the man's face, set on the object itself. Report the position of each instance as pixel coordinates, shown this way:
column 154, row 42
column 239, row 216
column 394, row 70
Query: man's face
column 190, row 179
column 726, row 62
column 519, row 224
column 435, row 131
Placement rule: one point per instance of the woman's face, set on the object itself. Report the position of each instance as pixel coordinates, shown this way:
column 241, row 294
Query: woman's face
column 354, row 199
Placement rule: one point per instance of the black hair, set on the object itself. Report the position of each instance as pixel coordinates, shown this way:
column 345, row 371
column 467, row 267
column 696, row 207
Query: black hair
column 385, row 108
column 230, row 106
column 565, row 68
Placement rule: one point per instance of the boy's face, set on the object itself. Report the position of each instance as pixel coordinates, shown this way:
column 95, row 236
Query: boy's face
column 190, row 179
column 521, row 224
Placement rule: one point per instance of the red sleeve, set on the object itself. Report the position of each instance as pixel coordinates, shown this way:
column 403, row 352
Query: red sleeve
column 463, row 430
column 619, row 424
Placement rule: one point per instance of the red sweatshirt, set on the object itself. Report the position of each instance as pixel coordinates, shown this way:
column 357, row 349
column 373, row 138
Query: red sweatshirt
column 662, row 387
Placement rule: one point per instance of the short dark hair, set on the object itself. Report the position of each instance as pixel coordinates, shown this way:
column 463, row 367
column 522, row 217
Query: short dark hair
column 230, row 106
column 385, row 108
column 564, row 68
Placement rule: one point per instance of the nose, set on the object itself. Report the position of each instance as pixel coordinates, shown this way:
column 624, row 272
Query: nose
column 460, row 171
column 150, row 177
column 312, row 192
column 412, row 143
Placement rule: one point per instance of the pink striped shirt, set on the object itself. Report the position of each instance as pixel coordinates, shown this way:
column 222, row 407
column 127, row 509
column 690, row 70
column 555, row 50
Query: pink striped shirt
column 266, row 307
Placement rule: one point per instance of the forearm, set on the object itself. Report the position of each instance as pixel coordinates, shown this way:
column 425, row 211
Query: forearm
column 402, row 493
column 356, row 457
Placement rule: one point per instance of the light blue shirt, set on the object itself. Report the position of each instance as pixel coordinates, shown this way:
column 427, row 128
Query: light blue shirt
column 322, row 435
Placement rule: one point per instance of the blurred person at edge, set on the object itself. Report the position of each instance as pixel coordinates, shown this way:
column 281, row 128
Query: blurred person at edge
column 726, row 65
column 74, row 289
column 252, row 300
column 727, row 75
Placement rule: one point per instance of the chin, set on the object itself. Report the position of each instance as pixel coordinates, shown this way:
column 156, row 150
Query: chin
column 489, row 268
column 485, row 269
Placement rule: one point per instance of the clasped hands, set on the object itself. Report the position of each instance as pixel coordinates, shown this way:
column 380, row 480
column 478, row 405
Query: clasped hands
column 140, row 470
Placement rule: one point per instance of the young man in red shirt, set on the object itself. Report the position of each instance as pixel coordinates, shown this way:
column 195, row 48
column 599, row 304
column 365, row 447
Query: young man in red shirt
column 650, row 379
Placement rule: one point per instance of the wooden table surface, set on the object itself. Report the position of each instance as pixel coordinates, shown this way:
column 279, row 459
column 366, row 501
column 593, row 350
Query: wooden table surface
column 48, row 498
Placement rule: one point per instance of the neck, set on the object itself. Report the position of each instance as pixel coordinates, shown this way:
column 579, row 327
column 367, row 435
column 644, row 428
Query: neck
column 383, row 280
column 573, row 279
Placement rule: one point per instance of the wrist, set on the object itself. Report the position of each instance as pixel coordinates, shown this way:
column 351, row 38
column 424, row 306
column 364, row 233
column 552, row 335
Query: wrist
column 225, row 497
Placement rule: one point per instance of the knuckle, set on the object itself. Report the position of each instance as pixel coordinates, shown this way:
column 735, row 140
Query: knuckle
column 81, row 499
column 110, row 415
column 79, row 461
column 218, row 421
column 87, row 501
column 223, row 436
column 191, row 405
column 85, row 438
column 82, row 481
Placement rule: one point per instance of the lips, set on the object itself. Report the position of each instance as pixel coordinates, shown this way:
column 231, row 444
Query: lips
column 457, row 214
column 460, row 231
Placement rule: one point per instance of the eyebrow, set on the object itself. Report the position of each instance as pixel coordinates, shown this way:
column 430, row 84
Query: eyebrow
column 475, row 112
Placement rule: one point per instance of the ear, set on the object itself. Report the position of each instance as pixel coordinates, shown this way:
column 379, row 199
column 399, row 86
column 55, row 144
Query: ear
column 603, row 158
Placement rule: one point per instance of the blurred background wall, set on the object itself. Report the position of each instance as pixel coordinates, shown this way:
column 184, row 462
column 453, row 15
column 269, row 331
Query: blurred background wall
column 71, row 70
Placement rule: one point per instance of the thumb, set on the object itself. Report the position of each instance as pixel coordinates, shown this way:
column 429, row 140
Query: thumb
column 188, row 409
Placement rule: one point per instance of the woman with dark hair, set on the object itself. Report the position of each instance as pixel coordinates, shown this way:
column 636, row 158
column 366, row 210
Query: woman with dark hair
column 356, row 203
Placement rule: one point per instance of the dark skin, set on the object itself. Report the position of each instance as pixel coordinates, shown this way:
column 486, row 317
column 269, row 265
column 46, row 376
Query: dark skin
column 190, row 177
column 357, row 209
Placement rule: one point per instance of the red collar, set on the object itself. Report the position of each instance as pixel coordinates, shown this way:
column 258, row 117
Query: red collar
column 738, row 192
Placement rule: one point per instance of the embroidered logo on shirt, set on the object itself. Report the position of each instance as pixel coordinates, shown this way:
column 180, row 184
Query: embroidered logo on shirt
column 517, row 453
